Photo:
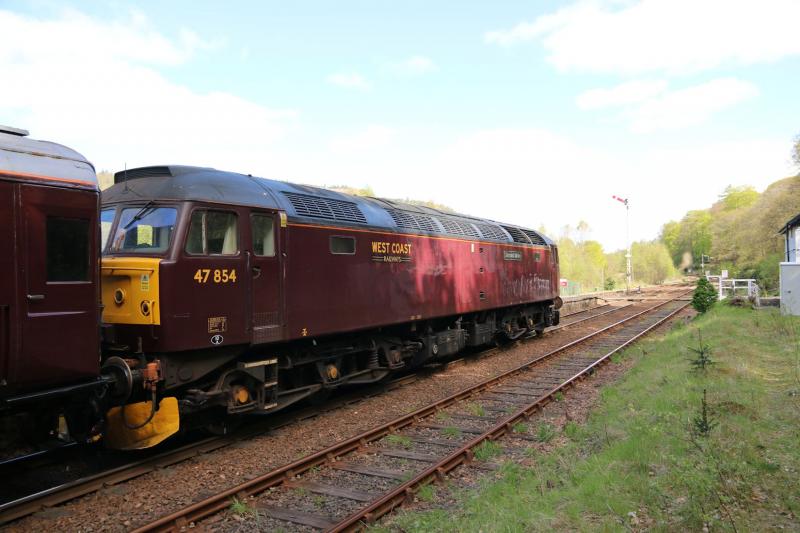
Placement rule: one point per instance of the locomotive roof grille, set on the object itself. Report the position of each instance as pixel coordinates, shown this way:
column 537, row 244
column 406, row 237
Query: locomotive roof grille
column 144, row 172
column 534, row 237
column 412, row 221
column 491, row 232
column 456, row 227
column 517, row 234
column 316, row 207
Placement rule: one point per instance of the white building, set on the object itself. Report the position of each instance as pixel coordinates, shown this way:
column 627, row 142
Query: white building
column 790, row 269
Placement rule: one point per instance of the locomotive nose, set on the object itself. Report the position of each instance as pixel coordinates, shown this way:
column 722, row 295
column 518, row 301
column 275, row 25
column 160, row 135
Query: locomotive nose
column 130, row 290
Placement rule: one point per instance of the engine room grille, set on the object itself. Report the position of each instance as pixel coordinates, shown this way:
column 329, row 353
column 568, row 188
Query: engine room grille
column 456, row 227
column 535, row 237
column 491, row 232
column 517, row 234
column 317, row 207
column 403, row 219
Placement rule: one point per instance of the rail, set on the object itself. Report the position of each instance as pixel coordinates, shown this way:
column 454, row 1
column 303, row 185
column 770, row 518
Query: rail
column 331, row 456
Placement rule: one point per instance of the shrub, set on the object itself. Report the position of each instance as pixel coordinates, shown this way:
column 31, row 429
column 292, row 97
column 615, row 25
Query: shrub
column 705, row 296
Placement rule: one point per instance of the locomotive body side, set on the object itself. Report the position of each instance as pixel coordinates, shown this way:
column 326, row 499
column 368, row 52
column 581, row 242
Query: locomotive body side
column 392, row 278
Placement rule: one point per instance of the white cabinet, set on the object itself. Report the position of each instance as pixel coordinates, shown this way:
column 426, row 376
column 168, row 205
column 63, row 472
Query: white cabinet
column 790, row 288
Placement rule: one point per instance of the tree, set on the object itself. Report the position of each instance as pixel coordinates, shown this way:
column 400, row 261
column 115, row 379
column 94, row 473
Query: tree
column 738, row 197
column 796, row 152
column 705, row 296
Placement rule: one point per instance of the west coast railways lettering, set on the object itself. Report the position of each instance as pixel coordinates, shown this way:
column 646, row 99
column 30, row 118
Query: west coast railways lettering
column 391, row 252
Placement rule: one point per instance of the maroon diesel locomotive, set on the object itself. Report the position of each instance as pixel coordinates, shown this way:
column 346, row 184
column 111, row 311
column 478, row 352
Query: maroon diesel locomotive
column 243, row 294
column 222, row 294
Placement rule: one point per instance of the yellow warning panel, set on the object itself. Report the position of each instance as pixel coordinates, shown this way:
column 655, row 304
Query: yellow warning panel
column 120, row 436
column 130, row 290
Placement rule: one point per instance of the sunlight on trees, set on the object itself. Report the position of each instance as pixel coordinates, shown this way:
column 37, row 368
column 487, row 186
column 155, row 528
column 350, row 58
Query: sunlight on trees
column 740, row 231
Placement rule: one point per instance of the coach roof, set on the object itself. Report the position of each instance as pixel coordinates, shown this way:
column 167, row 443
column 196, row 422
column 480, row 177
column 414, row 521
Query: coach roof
column 24, row 158
column 304, row 203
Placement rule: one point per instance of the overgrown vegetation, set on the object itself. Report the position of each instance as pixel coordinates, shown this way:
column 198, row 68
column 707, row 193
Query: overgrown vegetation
column 667, row 448
column 486, row 450
column 398, row 440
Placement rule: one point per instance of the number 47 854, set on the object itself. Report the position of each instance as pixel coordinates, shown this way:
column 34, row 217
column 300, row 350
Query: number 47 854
column 217, row 275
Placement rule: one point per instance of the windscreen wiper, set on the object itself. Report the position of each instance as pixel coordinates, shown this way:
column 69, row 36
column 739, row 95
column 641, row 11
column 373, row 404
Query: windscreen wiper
column 139, row 214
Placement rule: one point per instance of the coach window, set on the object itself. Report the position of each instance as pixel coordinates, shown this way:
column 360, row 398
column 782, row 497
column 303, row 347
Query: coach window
column 343, row 245
column 67, row 249
column 263, row 227
column 212, row 233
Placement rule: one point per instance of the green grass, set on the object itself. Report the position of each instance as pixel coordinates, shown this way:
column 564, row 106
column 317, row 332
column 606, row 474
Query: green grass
column 638, row 463
column 398, row 440
column 239, row 507
column 520, row 427
column 545, row 433
column 451, row 431
column 476, row 409
column 486, row 450
column 426, row 493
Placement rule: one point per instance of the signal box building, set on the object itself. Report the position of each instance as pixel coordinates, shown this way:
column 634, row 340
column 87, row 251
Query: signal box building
column 790, row 269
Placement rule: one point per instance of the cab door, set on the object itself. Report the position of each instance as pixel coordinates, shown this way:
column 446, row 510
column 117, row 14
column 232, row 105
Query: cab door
column 59, row 249
column 266, row 271
column 211, row 281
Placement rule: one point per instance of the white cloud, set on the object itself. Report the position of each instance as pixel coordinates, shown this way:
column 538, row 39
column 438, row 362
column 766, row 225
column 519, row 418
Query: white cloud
column 631, row 92
column 371, row 138
column 351, row 80
column 650, row 106
column 676, row 36
column 690, row 106
column 98, row 91
column 534, row 176
column 415, row 66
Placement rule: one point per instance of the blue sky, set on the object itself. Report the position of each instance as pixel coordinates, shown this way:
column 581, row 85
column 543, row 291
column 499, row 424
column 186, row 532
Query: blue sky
column 527, row 112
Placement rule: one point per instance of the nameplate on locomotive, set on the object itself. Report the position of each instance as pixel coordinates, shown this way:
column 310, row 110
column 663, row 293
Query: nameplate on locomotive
column 512, row 255
column 391, row 252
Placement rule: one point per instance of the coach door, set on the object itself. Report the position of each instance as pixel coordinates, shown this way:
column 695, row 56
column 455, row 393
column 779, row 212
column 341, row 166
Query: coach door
column 59, row 288
column 266, row 272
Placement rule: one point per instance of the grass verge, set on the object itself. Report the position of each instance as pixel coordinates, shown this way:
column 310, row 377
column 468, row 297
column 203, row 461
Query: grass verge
column 653, row 455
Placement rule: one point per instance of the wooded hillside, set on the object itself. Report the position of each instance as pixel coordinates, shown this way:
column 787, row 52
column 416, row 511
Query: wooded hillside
column 739, row 232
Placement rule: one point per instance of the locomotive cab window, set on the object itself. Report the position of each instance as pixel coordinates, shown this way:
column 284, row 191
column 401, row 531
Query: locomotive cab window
column 263, row 228
column 212, row 233
column 106, row 221
column 342, row 245
column 146, row 229
column 67, row 249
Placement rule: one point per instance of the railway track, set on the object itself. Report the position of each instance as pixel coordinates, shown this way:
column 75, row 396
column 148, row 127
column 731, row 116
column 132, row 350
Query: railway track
column 125, row 471
column 354, row 482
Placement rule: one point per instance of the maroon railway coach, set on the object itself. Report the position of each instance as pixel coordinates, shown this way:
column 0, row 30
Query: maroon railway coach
column 251, row 294
column 50, row 291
